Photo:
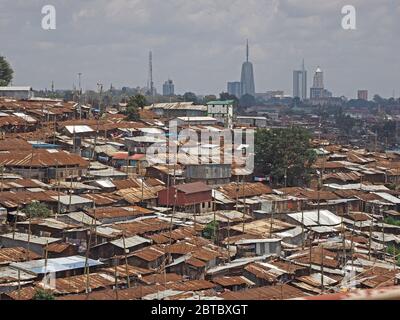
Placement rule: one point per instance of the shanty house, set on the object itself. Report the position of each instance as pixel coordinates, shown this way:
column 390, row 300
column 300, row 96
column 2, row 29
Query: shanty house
column 191, row 197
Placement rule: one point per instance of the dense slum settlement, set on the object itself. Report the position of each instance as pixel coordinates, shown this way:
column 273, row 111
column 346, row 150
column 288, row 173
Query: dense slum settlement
column 85, row 213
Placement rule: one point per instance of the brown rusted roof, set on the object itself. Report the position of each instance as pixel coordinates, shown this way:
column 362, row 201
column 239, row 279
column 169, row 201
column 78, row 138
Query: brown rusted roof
column 118, row 212
column 14, row 144
column 261, row 272
column 142, row 227
column 278, row 292
column 122, row 271
column 232, row 281
column 319, row 256
column 78, row 284
column 149, row 253
column 195, row 187
column 41, row 158
column 234, row 190
column 13, row 199
column 103, row 199
column 58, row 247
column 8, row 255
column 25, row 293
column 161, row 278
column 192, row 285
column 177, row 234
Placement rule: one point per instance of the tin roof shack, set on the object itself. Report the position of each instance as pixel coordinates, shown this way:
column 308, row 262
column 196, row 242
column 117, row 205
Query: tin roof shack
column 108, row 215
column 118, row 247
column 16, row 254
column 233, row 283
column 281, row 292
column 252, row 121
column 140, row 144
column 271, row 273
column 29, row 242
column 210, row 173
column 166, row 172
column 257, row 229
column 233, row 195
column 193, row 121
column 44, row 164
column 149, row 257
column 322, row 222
column 80, row 283
column 73, row 203
column 59, row 250
column 258, row 247
column 195, row 263
column 178, row 109
column 191, row 197
column 17, row 92
column 45, row 227
column 62, row 267
column 11, row 279
column 233, row 268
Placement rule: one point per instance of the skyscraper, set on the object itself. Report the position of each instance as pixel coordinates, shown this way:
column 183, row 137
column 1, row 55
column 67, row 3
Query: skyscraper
column 318, row 90
column 234, row 88
column 168, row 88
column 300, row 83
column 247, row 78
column 318, row 79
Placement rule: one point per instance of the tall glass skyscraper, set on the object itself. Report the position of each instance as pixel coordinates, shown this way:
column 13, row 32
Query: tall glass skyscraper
column 168, row 88
column 300, row 83
column 247, row 78
column 234, row 88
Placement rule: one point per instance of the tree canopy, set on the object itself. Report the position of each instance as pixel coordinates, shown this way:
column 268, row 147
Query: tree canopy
column 37, row 210
column 284, row 151
column 135, row 104
column 6, row 72
column 190, row 97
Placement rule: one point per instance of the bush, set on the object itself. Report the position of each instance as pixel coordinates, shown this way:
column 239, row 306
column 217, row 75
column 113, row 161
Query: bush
column 37, row 210
column 210, row 230
column 42, row 294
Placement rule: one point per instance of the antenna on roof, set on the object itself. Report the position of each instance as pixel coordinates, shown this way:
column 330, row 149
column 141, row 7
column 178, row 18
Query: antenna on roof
column 247, row 50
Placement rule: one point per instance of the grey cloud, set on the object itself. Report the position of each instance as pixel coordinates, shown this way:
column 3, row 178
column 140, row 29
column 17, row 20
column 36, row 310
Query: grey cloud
column 200, row 44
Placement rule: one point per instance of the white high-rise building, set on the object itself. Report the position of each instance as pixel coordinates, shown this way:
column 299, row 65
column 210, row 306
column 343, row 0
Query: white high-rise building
column 318, row 79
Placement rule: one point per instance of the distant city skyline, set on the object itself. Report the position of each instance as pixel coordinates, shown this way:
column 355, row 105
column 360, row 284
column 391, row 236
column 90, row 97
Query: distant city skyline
column 108, row 42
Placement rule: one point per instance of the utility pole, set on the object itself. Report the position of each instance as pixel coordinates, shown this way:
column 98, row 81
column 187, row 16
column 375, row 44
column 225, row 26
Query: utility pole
column 79, row 95
column 100, row 88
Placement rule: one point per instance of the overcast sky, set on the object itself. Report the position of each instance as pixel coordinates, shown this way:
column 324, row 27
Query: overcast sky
column 200, row 44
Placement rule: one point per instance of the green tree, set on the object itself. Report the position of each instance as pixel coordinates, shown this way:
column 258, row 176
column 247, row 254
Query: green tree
column 135, row 104
column 6, row 72
column 42, row 294
column 284, row 154
column 190, row 97
column 209, row 98
column 211, row 230
column 37, row 210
